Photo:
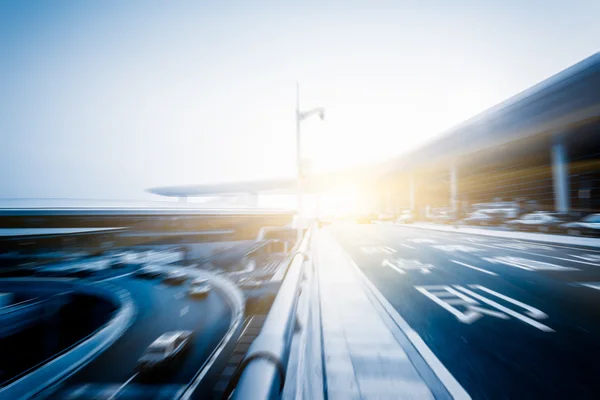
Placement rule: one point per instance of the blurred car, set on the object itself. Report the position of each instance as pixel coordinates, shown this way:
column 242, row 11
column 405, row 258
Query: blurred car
column 175, row 277
column 537, row 221
column 366, row 218
column 444, row 218
column 149, row 271
column 405, row 217
column 480, row 219
column 164, row 351
column 198, row 281
column 200, row 290
column 249, row 283
column 588, row 226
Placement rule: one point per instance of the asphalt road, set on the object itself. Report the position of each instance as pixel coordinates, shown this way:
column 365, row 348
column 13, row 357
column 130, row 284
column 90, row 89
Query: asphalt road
column 160, row 308
column 509, row 319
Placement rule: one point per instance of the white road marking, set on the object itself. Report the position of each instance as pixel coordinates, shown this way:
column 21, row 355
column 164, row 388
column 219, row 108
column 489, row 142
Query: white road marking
column 507, row 310
column 491, row 237
column 407, row 246
column 527, row 264
column 523, row 246
column 422, row 240
column 457, row 392
column 475, row 268
column 115, row 277
column 178, row 295
column 588, row 257
column 449, row 298
column 592, row 285
column 451, row 248
column 184, row 311
column 377, row 249
column 78, row 392
column 120, row 388
column 536, row 254
column 467, row 317
column 532, row 312
column 387, row 263
column 402, row 265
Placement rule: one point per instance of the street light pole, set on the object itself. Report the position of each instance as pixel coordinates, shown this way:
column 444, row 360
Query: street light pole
column 301, row 116
column 298, row 151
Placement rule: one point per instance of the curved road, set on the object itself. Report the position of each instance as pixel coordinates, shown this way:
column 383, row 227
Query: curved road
column 508, row 318
column 160, row 308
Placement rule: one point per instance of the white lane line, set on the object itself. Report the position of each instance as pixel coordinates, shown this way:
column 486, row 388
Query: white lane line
column 534, row 254
column 505, row 239
column 506, row 310
column 115, row 277
column 407, row 246
column 475, row 268
column 592, row 285
column 184, row 311
column 120, row 388
column 178, row 295
column 78, row 392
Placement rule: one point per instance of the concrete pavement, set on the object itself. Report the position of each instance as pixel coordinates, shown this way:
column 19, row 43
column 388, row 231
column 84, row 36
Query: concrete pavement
column 366, row 356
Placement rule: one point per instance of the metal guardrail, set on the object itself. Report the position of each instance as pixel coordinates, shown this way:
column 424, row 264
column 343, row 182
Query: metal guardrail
column 261, row 374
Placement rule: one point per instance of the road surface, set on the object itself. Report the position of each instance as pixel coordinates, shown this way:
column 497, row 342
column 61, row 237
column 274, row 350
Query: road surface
column 508, row 318
column 160, row 308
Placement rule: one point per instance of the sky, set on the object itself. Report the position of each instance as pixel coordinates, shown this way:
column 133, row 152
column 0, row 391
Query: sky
column 103, row 99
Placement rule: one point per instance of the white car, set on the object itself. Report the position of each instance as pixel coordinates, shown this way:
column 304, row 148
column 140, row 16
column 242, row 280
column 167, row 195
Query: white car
column 199, row 291
column 175, row 277
column 164, row 351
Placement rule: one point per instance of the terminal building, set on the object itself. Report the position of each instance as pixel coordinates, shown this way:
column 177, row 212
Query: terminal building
column 540, row 147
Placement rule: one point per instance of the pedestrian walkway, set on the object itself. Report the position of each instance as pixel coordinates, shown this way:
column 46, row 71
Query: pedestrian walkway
column 363, row 358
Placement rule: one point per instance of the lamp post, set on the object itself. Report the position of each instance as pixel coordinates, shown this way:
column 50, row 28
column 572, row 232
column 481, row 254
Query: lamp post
column 301, row 116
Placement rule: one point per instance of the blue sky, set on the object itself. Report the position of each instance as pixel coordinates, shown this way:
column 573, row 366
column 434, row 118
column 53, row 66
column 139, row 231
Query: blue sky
column 103, row 99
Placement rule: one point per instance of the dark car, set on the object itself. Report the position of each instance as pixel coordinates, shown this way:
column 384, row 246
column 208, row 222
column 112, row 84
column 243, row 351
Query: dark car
column 537, row 221
column 149, row 271
column 588, row 226
column 164, row 351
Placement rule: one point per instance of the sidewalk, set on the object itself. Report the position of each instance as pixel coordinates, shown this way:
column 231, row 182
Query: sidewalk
column 363, row 356
column 535, row 237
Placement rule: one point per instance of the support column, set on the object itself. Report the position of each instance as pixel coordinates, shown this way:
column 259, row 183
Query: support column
column 560, row 175
column 454, row 187
column 411, row 191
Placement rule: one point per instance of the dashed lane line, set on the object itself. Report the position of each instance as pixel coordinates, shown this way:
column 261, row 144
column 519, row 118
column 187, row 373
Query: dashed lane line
column 475, row 268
